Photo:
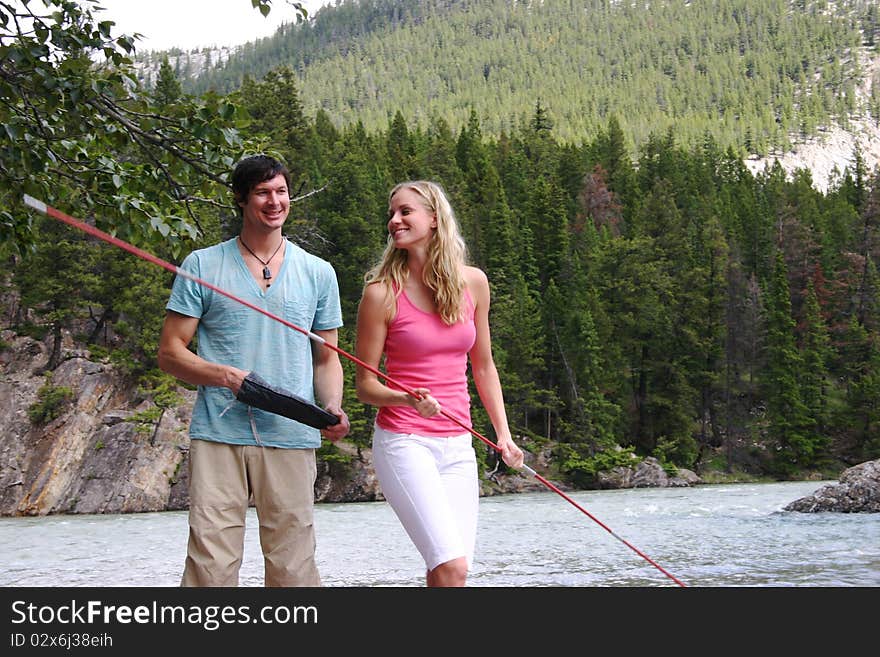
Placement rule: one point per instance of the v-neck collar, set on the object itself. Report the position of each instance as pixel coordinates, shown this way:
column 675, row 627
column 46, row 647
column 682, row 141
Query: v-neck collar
column 255, row 286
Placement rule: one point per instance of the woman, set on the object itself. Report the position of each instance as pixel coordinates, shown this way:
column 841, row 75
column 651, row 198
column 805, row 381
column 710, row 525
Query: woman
column 427, row 312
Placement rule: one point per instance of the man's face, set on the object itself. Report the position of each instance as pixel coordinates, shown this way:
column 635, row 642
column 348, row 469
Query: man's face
column 268, row 204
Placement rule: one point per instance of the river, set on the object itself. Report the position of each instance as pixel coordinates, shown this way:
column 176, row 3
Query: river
column 718, row 535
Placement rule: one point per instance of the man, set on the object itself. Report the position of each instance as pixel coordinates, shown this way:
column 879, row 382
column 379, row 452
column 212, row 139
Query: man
column 238, row 451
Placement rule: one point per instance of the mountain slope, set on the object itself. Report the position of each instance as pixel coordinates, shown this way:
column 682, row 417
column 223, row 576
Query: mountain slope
column 758, row 75
column 834, row 148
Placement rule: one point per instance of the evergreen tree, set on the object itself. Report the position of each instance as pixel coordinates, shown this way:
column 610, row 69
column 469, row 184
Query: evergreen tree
column 516, row 338
column 859, row 418
column 55, row 279
column 168, row 89
column 481, row 191
column 276, row 112
column 816, row 353
column 788, row 421
column 401, row 153
column 706, row 306
column 544, row 213
column 438, row 158
column 613, row 154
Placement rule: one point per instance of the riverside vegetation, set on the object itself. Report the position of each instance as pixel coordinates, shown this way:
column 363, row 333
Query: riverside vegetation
column 652, row 297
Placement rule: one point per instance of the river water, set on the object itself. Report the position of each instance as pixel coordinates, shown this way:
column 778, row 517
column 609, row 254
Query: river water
column 709, row 536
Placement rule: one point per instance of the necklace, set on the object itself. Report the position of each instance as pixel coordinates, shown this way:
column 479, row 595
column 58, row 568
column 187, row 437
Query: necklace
column 267, row 273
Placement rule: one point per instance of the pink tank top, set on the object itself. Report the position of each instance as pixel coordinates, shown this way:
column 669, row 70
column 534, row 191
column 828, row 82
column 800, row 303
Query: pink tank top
column 423, row 352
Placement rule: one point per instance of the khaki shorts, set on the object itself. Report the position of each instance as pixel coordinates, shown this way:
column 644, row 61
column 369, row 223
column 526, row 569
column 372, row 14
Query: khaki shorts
column 222, row 479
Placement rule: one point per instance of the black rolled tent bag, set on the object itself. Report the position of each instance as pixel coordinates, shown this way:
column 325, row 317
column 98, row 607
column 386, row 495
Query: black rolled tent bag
column 256, row 392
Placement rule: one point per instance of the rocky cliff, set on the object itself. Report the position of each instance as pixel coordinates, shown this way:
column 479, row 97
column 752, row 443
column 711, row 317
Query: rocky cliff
column 107, row 449
column 95, row 456
column 110, row 450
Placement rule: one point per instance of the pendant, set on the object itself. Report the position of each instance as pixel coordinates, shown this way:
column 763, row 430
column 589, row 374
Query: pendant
column 267, row 273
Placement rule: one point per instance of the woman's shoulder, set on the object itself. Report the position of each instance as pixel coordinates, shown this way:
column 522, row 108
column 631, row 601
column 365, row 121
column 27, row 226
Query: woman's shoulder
column 375, row 290
column 375, row 301
column 477, row 285
column 475, row 278
column 375, row 294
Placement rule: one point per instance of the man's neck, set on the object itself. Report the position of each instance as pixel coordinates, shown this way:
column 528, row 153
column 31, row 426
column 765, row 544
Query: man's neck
column 261, row 242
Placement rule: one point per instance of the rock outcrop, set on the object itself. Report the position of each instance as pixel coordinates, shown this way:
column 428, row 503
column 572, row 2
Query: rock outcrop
column 353, row 480
column 100, row 454
column 111, row 450
column 858, row 491
column 648, row 473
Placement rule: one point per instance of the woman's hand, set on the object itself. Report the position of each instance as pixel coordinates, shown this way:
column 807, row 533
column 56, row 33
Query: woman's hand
column 510, row 453
column 425, row 404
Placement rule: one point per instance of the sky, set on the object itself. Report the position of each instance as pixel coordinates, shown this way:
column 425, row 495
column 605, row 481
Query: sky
column 188, row 24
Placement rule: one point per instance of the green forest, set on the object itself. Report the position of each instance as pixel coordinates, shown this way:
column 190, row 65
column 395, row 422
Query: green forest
column 753, row 73
column 651, row 296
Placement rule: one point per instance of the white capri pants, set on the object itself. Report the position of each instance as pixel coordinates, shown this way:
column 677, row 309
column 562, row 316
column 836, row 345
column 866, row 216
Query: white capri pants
column 431, row 483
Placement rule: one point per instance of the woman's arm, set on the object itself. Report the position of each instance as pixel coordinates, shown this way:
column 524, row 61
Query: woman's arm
column 484, row 371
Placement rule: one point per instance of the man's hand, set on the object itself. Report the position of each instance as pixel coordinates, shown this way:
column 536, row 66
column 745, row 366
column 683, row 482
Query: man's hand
column 336, row 432
column 233, row 378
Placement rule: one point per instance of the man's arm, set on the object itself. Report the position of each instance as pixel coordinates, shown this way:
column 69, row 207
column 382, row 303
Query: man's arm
column 176, row 358
column 329, row 383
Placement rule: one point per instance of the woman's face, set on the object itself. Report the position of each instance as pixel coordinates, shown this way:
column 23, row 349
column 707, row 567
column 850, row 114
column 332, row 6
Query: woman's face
column 410, row 223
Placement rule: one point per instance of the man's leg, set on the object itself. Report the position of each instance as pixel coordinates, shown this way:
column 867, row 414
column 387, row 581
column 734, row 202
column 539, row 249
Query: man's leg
column 218, row 499
column 284, row 493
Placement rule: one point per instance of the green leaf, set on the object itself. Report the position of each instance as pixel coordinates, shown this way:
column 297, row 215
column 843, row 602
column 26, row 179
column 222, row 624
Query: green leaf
column 159, row 224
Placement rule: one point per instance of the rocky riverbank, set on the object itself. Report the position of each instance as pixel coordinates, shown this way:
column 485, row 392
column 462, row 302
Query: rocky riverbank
column 858, row 491
column 111, row 450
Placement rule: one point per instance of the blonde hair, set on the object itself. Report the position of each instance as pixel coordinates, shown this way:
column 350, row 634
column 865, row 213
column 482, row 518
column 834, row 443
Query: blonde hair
column 446, row 256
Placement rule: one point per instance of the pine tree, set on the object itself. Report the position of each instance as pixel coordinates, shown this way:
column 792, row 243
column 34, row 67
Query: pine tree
column 860, row 416
column 401, row 152
column 276, row 112
column 56, row 278
column 788, row 421
column 816, row 353
column 438, row 158
column 612, row 152
column 544, row 214
column 516, row 339
column 168, row 88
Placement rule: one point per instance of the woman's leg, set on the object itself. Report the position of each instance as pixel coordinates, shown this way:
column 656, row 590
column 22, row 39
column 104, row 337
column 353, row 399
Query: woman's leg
column 407, row 468
column 458, row 472
column 451, row 573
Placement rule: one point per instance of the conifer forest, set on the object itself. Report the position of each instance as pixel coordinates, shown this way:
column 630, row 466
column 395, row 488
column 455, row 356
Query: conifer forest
column 650, row 295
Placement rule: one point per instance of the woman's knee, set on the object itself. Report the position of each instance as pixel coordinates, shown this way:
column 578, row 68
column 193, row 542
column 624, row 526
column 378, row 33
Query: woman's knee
column 449, row 573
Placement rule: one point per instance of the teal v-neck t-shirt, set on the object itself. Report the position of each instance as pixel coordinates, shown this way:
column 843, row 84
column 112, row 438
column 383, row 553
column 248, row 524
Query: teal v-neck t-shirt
column 305, row 292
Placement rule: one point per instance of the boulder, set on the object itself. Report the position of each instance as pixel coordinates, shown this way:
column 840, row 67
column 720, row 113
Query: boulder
column 649, row 473
column 858, row 491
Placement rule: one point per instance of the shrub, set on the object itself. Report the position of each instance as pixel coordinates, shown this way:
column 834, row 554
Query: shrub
column 50, row 403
